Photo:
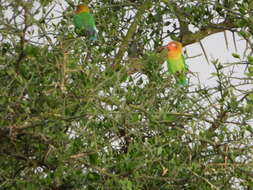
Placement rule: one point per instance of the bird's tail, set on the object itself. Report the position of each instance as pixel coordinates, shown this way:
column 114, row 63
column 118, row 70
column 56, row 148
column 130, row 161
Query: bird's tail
column 93, row 38
column 92, row 34
column 182, row 81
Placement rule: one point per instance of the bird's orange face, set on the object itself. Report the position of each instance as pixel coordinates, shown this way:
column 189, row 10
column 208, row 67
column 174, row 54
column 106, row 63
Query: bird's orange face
column 174, row 46
column 174, row 49
column 82, row 9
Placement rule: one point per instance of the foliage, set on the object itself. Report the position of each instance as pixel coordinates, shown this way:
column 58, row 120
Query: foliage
column 75, row 115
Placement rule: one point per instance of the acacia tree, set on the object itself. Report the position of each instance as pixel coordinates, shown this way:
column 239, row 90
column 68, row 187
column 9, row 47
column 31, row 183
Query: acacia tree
column 82, row 115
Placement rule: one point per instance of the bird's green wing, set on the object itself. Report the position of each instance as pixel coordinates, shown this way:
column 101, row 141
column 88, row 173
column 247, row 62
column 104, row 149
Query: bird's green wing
column 84, row 20
column 178, row 68
column 85, row 25
column 176, row 65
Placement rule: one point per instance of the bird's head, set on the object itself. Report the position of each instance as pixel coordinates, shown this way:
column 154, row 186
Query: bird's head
column 82, row 9
column 174, row 48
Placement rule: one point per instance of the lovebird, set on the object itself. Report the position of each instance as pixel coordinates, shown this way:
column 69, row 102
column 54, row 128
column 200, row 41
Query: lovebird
column 176, row 62
column 84, row 22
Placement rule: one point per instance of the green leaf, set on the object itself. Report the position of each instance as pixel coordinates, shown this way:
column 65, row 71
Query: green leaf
column 235, row 55
column 126, row 184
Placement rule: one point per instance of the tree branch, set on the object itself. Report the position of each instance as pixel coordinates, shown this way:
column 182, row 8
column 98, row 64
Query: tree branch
column 190, row 38
column 146, row 5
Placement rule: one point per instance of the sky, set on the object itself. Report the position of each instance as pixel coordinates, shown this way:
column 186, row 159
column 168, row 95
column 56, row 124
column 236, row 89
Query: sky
column 215, row 47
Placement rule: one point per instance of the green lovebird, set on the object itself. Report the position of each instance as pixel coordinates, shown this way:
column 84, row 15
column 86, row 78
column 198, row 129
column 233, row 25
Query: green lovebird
column 176, row 62
column 84, row 22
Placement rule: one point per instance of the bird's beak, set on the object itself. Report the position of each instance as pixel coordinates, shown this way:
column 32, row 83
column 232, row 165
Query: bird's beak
column 166, row 47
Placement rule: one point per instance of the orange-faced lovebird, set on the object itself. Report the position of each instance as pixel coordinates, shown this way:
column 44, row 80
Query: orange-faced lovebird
column 84, row 22
column 176, row 62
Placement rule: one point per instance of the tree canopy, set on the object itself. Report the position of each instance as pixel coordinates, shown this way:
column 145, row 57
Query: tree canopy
column 77, row 114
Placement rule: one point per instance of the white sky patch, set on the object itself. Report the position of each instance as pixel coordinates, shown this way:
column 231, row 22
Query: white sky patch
column 215, row 47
